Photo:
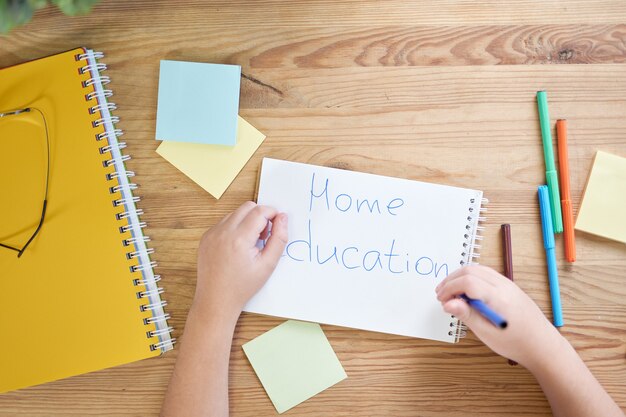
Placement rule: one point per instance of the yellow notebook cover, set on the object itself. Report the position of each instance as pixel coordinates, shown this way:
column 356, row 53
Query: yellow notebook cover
column 72, row 303
column 604, row 201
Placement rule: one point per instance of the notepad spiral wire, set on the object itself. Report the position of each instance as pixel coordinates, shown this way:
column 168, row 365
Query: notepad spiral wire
column 469, row 254
column 151, row 292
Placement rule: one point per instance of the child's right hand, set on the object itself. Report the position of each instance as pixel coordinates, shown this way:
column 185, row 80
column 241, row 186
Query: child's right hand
column 529, row 337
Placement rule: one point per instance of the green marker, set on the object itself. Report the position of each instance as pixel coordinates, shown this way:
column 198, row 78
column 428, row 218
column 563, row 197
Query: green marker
column 548, row 154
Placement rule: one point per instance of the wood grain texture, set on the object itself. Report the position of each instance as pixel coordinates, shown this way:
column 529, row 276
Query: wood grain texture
column 434, row 91
column 356, row 13
column 332, row 47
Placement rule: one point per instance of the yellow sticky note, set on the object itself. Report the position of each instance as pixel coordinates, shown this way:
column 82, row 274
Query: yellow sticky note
column 604, row 202
column 213, row 167
column 294, row 362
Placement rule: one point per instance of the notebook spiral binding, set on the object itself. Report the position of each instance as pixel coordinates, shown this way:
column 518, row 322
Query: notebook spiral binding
column 469, row 254
column 141, row 253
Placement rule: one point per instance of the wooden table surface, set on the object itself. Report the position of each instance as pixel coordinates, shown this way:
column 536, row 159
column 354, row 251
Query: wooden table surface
column 440, row 91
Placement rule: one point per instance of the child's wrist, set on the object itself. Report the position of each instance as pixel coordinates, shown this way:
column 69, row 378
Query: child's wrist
column 206, row 310
column 554, row 351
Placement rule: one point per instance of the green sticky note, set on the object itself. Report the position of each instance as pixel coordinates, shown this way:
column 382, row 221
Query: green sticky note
column 294, row 362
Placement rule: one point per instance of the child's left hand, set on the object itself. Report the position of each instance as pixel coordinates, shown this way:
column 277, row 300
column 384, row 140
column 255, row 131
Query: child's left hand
column 231, row 268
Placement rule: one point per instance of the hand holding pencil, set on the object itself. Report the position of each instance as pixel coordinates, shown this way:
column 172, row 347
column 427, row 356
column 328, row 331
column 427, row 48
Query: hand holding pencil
column 528, row 332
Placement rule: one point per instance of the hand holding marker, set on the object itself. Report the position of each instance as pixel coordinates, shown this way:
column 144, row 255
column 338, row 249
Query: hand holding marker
column 486, row 312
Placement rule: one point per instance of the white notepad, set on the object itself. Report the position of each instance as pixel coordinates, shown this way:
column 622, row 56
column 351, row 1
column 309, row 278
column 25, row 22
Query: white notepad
column 366, row 251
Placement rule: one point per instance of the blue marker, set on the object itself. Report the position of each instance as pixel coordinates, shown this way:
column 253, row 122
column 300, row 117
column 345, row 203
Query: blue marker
column 548, row 243
column 486, row 312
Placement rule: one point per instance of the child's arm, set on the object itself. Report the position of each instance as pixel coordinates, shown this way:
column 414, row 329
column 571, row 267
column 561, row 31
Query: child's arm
column 529, row 339
column 231, row 269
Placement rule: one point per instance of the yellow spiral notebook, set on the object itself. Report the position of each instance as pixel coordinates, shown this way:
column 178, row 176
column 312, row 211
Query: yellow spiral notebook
column 82, row 295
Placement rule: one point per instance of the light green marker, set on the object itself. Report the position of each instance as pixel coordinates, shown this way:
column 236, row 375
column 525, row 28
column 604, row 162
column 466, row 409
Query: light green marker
column 551, row 176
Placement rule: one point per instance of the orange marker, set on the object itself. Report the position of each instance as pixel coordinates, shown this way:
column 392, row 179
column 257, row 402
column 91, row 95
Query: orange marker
column 566, row 203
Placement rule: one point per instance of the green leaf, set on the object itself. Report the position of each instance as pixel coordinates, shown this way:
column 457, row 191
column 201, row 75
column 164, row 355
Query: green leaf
column 74, row 7
column 38, row 4
column 14, row 13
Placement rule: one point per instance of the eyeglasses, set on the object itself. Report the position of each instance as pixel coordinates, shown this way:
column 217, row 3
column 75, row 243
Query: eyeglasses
column 14, row 113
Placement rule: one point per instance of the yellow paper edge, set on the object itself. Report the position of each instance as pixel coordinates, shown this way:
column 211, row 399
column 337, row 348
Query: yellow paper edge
column 214, row 167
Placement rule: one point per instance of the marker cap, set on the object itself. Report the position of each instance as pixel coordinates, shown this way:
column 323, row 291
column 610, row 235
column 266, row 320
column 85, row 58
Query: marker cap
column 555, row 201
column 546, row 217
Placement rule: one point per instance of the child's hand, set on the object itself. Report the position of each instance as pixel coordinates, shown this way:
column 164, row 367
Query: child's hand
column 231, row 268
column 529, row 336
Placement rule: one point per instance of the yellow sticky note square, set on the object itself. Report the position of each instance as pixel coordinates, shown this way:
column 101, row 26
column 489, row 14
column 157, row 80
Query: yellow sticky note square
column 294, row 362
column 604, row 202
column 213, row 167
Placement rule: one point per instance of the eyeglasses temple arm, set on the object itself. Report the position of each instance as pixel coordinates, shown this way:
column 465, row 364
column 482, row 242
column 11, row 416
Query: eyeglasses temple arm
column 43, row 214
